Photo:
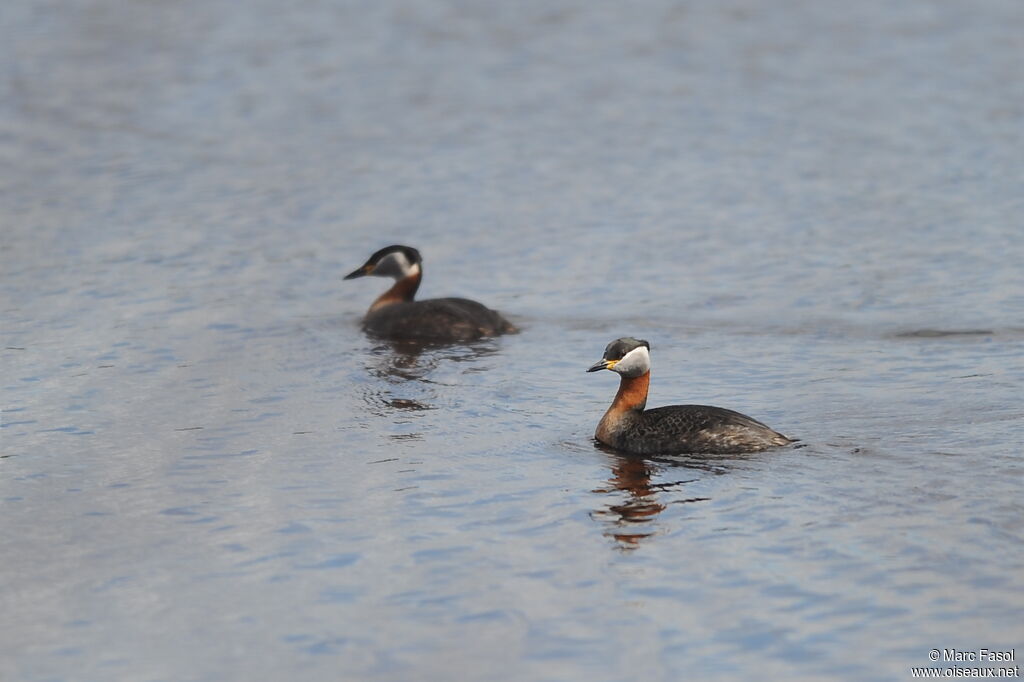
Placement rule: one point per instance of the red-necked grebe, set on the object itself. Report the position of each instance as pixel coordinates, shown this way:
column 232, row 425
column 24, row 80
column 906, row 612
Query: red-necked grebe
column 395, row 315
column 627, row 426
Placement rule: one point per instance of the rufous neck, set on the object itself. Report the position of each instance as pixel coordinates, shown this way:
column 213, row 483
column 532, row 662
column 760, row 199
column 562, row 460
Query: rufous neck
column 403, row 290
column 632, row 393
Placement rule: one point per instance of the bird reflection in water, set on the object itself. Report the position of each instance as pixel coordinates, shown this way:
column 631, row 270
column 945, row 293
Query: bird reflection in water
column 633, row 519
column 402, row 361
column 405, row 367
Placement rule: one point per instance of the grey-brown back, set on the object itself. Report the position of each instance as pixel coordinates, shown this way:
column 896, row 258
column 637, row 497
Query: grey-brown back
column 694, row 429
column 438, row 320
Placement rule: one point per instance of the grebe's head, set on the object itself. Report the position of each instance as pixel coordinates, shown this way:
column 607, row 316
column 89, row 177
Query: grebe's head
column 627, row 356
column 395, row 261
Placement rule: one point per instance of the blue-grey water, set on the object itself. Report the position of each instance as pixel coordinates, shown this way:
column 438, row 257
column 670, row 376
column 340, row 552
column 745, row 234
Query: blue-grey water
column 208, row 472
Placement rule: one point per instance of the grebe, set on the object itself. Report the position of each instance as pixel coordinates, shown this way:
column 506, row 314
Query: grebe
column 395, row 315
column 673, row 429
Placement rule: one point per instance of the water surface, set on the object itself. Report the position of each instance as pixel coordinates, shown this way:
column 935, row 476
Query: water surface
column 208, row 472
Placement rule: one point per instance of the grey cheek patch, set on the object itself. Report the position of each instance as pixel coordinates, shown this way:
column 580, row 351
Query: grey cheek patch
column 634, row 363
column 392, row 265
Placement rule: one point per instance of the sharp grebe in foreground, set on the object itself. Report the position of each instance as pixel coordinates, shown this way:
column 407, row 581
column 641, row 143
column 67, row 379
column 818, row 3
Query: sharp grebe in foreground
column 395, row 315
column 629, row 427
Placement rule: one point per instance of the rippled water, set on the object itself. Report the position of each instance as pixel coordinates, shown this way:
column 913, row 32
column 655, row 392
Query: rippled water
column 208, row 472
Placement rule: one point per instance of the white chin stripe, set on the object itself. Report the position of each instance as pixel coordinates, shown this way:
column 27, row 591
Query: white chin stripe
column 635, row 362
